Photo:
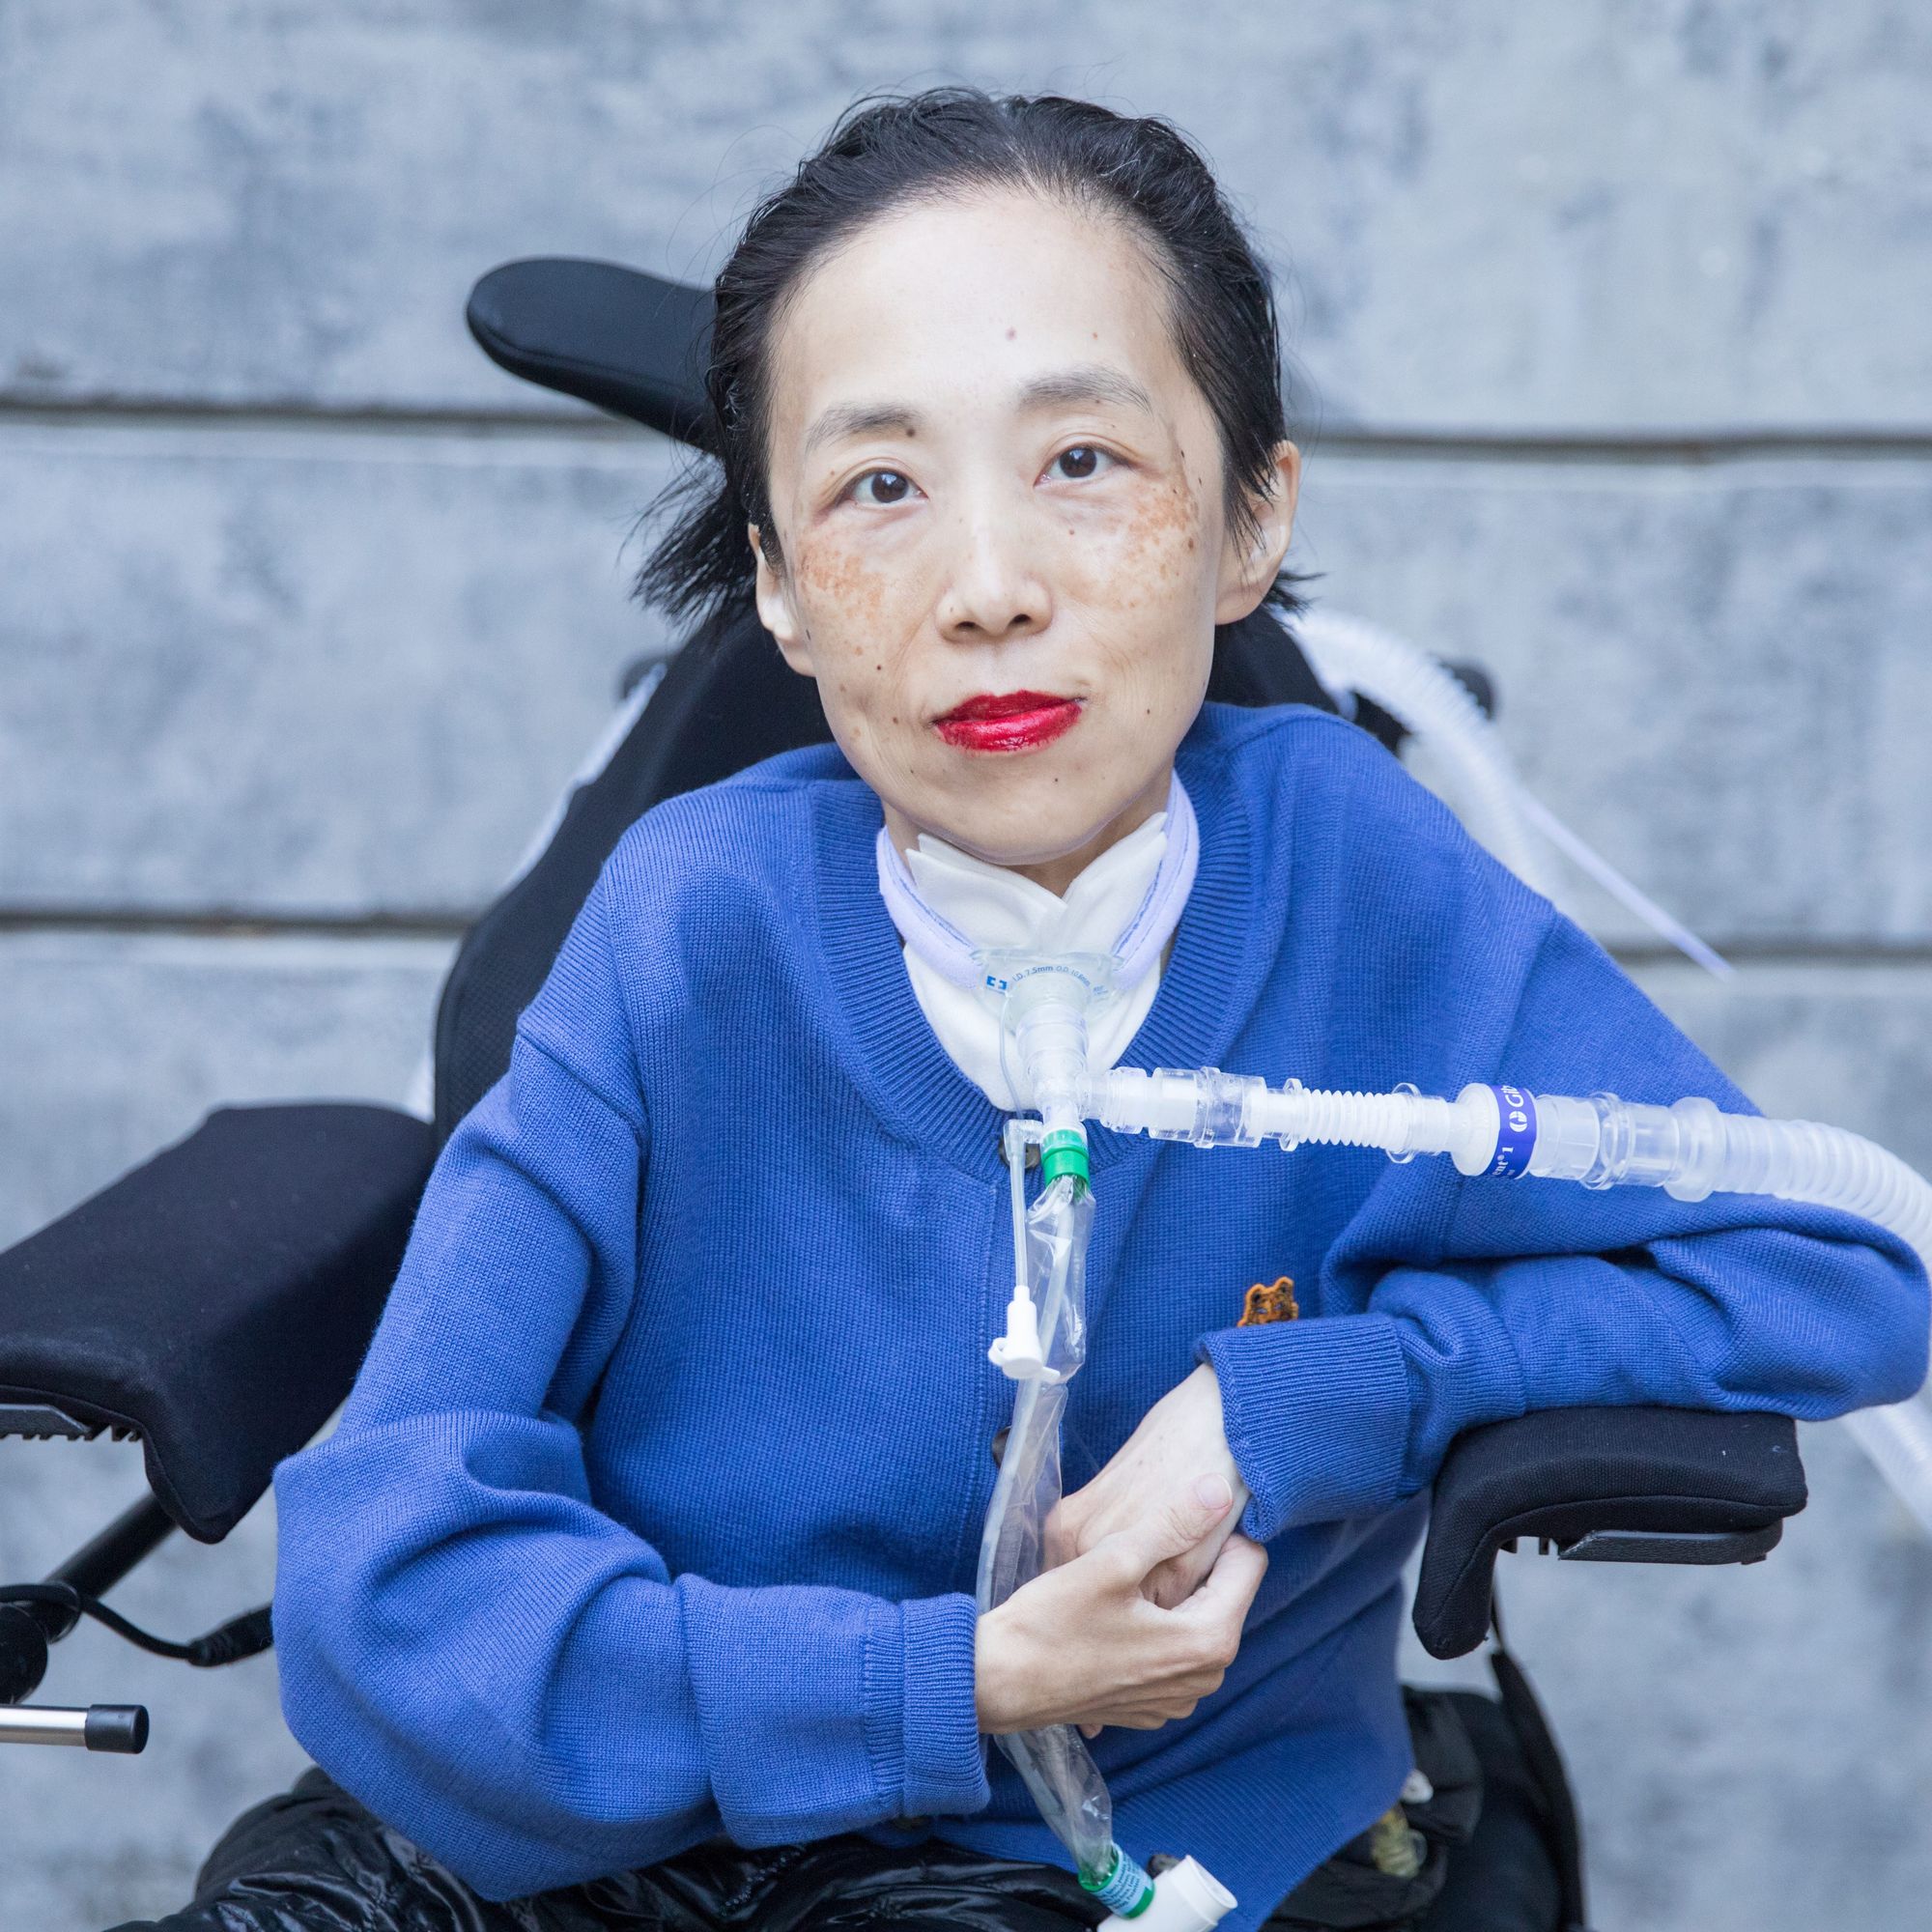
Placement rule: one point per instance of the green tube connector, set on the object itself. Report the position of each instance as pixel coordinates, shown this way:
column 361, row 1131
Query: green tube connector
column 1124, row 1886
column 1063, row 1153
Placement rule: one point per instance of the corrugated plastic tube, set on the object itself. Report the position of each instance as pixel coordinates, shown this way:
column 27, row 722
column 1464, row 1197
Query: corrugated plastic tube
column 1432, row 703
column 1692, row 1149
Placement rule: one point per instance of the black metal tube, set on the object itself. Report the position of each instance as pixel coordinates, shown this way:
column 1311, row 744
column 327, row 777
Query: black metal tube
column 27, row 1629
column 133, row 1535
column 98, row 1564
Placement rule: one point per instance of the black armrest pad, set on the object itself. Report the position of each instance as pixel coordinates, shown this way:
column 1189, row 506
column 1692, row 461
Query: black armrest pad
column 1563, row 1472
column 630, row 343
column 217, row 1301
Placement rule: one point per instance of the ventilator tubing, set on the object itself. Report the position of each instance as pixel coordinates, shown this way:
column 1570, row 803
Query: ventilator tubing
column 1353, row 660
column 1692, row 1149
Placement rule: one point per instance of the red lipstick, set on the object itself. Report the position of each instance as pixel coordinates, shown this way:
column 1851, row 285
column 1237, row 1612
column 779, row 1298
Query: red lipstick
column 1014, row 720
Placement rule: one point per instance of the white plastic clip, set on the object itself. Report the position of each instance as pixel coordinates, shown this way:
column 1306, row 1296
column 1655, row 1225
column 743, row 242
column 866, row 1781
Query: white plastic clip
column 1017, row 1353
column 1187, row 1898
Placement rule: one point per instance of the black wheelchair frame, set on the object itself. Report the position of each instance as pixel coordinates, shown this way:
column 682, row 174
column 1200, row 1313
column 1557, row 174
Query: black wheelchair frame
column 216, row 1302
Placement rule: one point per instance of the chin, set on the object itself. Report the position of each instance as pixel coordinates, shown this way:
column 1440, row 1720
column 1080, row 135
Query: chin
column 1021, row 833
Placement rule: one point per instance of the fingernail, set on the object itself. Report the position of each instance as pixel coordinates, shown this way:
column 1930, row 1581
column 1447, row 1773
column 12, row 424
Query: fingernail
column 1212, row 1493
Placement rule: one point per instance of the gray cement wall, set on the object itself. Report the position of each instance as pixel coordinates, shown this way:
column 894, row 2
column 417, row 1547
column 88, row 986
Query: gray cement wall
column 1610, row 359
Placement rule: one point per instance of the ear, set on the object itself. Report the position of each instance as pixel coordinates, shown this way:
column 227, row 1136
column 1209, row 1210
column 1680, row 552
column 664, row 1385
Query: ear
column 775, row 609
column 1247, row 570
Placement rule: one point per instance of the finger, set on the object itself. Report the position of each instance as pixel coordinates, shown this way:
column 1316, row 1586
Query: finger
column 1060, row 1540
column 1177, row 1579
column 1174, row 1525
column 1175, row 1701
column 1168, row 1584
column 1052, row 1538
column 1217, row 1612
column 1231, row 1584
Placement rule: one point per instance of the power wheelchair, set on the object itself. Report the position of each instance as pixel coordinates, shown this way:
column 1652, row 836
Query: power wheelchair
column 215, row 1302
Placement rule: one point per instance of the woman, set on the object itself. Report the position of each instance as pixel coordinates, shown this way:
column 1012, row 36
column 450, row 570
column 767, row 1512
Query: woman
column 646, row 1543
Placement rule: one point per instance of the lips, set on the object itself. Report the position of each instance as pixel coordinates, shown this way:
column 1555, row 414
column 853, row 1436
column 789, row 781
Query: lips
column 1012, row 721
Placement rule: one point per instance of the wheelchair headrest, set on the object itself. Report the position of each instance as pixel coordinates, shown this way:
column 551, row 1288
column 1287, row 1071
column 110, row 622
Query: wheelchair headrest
column 630, row 343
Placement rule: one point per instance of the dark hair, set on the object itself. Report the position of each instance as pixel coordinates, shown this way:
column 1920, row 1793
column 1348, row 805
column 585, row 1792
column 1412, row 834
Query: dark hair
column 885, row 152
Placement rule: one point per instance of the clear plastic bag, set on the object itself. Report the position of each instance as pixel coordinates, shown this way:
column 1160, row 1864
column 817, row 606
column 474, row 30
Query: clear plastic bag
column 1064, row 1782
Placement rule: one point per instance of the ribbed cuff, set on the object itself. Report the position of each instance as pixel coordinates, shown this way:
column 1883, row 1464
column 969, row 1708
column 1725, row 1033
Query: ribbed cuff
column 1317, row 1413
column 928, row 1745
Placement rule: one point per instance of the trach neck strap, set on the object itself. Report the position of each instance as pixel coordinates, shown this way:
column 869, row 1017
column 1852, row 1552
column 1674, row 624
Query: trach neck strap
column 950, row 952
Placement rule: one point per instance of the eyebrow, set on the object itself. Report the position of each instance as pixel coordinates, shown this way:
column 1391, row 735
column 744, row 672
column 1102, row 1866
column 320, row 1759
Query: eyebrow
column 844, row 419
column 1086, row 383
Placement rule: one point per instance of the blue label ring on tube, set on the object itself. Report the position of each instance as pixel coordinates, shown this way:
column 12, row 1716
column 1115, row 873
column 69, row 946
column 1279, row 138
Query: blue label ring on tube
column 1516, row 1132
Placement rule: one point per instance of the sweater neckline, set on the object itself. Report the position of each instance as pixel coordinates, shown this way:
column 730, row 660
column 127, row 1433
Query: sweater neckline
column 1208, row 988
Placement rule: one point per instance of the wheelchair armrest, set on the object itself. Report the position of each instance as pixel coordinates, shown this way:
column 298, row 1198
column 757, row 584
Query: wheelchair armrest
column 1602, row 1484
column 216, row 1302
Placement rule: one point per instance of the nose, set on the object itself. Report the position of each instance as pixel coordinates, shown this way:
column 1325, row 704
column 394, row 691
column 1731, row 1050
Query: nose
column 995, row 591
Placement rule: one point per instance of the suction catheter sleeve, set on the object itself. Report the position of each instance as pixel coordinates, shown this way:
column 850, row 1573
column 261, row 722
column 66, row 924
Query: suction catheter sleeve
column 1445, row 1303
column 472, row 1647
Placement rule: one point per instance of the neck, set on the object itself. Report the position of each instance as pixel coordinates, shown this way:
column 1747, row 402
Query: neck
column 1058, row 872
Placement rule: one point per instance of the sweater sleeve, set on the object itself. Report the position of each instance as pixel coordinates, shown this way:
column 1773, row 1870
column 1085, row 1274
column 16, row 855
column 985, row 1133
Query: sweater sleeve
column 1447, row 1303
column 477, row 1650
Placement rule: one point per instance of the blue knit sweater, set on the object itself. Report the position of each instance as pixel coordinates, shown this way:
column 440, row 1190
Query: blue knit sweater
column 655, row 1507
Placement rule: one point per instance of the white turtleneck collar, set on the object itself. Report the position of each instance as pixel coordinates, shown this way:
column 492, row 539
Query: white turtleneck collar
column 990, row 906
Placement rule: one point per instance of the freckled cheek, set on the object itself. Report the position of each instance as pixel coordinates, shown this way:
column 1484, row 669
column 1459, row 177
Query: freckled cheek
column 839, row 589
column 863, row 622
column 854, row 602
column 1148, row 557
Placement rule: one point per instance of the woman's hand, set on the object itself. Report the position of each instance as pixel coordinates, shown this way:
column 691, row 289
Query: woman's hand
column 1179, row 1439
column 1083, row 1644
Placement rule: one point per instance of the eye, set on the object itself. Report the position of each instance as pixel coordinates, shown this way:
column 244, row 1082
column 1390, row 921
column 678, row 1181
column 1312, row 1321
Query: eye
column 889, row 486
column 1078, row 464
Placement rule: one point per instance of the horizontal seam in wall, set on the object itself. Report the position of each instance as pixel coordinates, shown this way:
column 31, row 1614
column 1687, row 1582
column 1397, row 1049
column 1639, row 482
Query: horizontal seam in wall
column 1392, row 444
column 1772, row 951
column 227, row 922
column 230, row 922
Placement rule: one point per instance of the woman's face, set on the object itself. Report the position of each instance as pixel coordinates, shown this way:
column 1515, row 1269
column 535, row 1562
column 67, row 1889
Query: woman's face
column 998, row 496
